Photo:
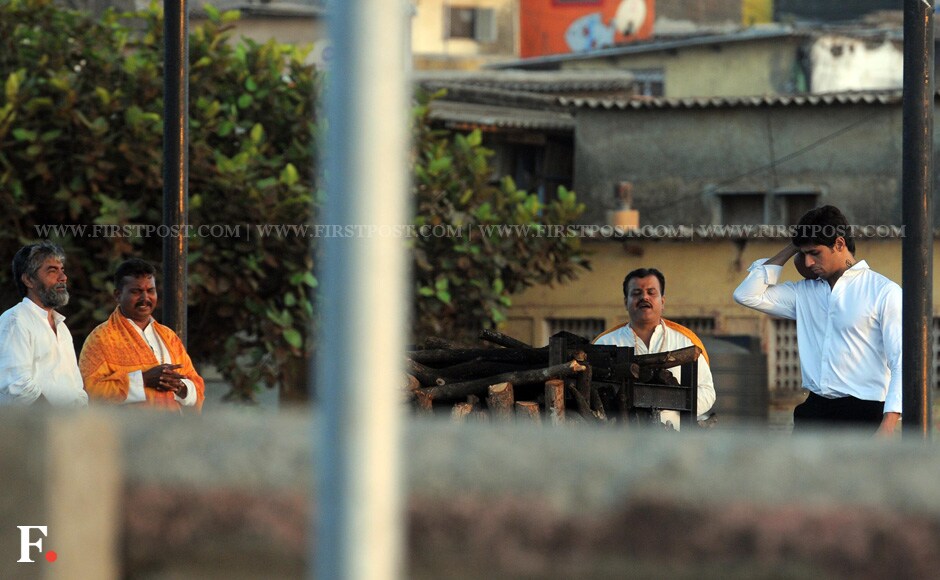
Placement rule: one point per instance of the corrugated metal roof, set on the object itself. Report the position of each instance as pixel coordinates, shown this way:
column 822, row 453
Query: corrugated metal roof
column 469, row 114
column 533, row 81
column 655, row 45
column 842, row 98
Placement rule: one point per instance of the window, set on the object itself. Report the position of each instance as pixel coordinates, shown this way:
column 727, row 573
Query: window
column 584, row 327
column 792, row 204
column 742, row 208
column 650, row 82
column 469, row 22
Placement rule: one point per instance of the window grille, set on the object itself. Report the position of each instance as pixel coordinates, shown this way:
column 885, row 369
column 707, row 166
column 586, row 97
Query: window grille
column 783, row 367
column 585, row 327
column 700, row 325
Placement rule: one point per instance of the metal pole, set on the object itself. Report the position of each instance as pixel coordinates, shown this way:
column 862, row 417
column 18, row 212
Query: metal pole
column 917, row 215
column 363, row 307
column 175, row 162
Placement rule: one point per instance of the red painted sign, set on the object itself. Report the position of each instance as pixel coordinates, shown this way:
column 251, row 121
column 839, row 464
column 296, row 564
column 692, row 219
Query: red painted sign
column 562, row 26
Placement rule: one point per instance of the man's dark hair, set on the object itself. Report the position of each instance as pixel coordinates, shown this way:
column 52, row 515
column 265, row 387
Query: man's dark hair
column 821, row 226
column 29, row 259
column 643, row 273
column 135, row 268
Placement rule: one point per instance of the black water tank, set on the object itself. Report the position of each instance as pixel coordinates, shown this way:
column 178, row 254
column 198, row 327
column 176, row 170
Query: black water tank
column 740, row 376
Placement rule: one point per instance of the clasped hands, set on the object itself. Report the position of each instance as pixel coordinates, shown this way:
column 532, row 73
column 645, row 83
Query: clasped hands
column 165, row 378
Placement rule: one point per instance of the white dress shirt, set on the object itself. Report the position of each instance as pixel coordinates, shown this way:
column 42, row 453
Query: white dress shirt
column 37, row 361
column 135, row 393
column 665, row 339
column 849, row 336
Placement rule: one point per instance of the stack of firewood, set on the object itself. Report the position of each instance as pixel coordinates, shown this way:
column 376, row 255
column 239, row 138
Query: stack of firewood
column 569, row 379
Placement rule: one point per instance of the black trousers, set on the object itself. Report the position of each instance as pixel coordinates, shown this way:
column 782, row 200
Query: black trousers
column 817, row 412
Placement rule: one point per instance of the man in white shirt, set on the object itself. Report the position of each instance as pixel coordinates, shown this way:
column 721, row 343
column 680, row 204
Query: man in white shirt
column 648, row 332
column 848, row 325
column 132, row 358
column 37, row 358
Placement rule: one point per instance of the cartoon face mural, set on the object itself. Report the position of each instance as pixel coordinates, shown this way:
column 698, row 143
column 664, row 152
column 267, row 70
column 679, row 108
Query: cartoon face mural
column 562, row 26
column 589, row 33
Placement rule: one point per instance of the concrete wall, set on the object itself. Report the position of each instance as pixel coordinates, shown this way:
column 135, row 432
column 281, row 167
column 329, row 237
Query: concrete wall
column 231, row 496
column 675, row 157
column 755, row 67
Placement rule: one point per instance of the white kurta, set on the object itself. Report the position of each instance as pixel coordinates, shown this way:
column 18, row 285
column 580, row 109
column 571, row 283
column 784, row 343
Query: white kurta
column 665, row 339
column 37, row 362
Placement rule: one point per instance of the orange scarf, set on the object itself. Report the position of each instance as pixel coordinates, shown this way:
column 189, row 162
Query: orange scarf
column 114, row 349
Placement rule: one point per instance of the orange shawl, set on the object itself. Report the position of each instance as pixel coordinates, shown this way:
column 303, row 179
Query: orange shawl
column 114, row 349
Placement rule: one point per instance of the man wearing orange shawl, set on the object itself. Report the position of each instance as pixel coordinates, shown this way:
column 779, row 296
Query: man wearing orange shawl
column 133, row 359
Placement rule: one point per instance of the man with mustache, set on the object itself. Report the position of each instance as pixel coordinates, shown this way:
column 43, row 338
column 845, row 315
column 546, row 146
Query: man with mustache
column 848, row 324
column 37, row 358
column 648, row 332
column 131, row 358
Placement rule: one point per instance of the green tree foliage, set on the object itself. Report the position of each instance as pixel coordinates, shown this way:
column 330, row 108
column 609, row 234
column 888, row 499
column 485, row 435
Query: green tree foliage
column 81, row 142
column 81, row 132
column 464, row 283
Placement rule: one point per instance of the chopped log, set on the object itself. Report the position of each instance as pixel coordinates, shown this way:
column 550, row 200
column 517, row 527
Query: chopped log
column 582, row 404
column 500, row 401
column 447, row 357
column 597, row 406
column 460, row 412
column 424, row 401
column 583, row 381
column 528, row 410
column 555, row 400
column 474, row 401
column 501, row 339
column 428, row 376
column 665, row 360
column 480, row 386
column 411, row 385
column 434, row 342
column 477, row 369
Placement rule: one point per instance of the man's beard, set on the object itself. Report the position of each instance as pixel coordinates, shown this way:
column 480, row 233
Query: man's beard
column 53, row 298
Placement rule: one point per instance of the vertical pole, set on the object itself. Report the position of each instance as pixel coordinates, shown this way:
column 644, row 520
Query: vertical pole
column 175, row 162
column 363, row 306
column 917, row 215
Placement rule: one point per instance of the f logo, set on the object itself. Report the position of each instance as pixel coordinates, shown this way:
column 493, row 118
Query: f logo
column 25, row 544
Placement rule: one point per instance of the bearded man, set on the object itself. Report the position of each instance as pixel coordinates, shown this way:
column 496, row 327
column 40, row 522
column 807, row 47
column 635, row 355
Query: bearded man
column 37, row 357
column 132, row 358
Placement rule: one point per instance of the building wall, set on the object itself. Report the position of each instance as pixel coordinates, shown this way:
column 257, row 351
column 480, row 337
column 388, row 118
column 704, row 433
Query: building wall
column 841, row 63
column 755, row 67
column 700, row 279
column 680, row 159
column 428, row 33
column 300, row 30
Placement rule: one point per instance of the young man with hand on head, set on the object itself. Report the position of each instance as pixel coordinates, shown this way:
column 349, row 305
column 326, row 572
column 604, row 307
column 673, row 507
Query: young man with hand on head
column 848, row 325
